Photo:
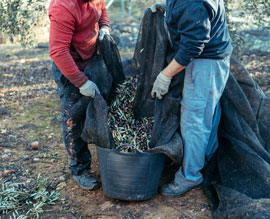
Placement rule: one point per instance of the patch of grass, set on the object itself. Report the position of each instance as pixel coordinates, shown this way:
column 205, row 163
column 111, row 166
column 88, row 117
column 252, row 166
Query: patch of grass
column 19, row 200
column 39, row 114
column 8, row 50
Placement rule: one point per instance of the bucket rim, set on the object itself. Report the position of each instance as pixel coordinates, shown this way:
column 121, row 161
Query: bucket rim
column 130, row 153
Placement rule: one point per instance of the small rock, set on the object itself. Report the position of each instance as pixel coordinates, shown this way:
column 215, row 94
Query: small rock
column 49, row 137
column 35, row 145
column 7, row 151
column 62, row 178
column 135, row 30
column 29, row 181
column 61, row 186
column 118, row 206
column 36, row 159
column 106, row 205
column 5, row 156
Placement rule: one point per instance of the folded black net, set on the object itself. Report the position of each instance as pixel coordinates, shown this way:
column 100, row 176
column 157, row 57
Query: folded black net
column 236, row 180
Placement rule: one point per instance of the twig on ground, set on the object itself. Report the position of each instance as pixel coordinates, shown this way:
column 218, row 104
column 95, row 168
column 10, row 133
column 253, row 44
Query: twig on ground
column 8, row 146
column 97, row 215
column 178, row 208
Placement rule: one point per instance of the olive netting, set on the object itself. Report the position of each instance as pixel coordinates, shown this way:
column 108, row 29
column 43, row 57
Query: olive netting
column 236, row 180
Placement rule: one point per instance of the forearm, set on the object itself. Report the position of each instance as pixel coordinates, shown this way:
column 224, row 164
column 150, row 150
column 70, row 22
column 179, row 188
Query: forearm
column 59, row 53
column 60, row 39
column 69, row 69
column 173, row 69
column 104, row 19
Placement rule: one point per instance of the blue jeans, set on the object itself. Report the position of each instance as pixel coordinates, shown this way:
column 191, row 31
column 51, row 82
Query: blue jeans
column 79, row 154
column 204, row 83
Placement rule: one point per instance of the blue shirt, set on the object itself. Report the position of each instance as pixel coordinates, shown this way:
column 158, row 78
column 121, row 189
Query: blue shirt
column 198, row 29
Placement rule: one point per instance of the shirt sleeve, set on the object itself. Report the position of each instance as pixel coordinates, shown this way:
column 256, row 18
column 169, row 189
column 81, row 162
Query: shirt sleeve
column 194, row 27
column 104, row 19
column 62, row 27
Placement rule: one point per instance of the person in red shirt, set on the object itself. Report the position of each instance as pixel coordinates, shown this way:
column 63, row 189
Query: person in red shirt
column 75, row 27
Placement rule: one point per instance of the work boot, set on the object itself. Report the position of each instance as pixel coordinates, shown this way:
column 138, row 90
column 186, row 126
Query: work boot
column 86, row 180
column 173, row 189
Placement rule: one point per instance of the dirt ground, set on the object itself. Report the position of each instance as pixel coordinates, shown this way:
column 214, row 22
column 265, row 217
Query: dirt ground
column 29, row 112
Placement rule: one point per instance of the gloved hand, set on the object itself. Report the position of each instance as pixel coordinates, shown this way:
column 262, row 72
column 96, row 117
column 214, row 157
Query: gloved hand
column 103, row 30
column 161, row 86
column 158, row 6
column 89, row 89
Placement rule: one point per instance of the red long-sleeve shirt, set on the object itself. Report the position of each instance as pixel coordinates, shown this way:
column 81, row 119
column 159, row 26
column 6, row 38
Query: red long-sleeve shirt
column 73, row 34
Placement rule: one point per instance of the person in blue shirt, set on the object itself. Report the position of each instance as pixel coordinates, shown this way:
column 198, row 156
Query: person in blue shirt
column 202, row 47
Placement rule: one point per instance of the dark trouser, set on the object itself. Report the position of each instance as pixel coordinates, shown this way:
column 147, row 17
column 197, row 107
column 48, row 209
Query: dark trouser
column 79, row 154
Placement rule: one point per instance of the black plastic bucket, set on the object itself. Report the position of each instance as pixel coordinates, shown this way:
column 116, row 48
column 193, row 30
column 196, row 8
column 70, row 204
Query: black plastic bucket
column 130, row 175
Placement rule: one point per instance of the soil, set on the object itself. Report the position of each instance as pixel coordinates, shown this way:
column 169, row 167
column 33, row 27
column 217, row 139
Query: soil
column 30, row 112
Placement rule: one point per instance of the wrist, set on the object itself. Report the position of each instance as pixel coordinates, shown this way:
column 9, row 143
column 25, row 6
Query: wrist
column 173, row 69
column 85, row 85
column 105, row 27
column 164, row 76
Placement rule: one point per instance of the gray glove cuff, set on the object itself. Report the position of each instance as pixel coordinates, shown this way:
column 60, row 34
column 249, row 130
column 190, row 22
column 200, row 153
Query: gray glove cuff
column 89, row 89
column 164, row 78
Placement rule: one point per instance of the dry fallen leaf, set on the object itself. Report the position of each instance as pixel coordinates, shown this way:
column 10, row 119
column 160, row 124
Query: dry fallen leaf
column 3, row 131
column 7, row 172
column 61, row 186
